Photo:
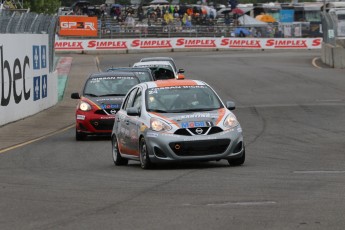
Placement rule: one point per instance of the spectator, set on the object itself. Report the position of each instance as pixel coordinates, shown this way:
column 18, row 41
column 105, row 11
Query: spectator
column 168, row 18
column 158, row 12
column 117, row 13
column 130, row 22
column 140, row 13
column 227, row 19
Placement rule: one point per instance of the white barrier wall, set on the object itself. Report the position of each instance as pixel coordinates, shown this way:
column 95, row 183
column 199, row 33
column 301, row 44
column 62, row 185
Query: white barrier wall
column 187, row 43
column 27, row 87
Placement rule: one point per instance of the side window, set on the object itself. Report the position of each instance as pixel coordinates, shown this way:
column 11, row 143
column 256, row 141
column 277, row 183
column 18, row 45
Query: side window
column 129, row 99
column 137, row 99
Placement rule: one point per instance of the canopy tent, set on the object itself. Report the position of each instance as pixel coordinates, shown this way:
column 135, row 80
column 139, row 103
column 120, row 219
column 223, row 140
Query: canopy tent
column 250, row 21
column 159, row 2
column 265, row 18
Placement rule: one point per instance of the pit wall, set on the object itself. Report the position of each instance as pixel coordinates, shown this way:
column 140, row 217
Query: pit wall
column 183, row 44
column 27, row 86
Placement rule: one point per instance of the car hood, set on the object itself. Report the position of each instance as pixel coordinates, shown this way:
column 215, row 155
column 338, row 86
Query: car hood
column 194, row 119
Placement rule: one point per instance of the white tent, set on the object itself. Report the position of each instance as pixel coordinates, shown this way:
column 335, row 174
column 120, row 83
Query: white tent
column 246, row 20
column 159, row 2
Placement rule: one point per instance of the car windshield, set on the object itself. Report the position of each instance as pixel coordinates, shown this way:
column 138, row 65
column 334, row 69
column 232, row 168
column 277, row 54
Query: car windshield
column 143, row 76
column 162, row 72
column 109, row 86
column 179, row 99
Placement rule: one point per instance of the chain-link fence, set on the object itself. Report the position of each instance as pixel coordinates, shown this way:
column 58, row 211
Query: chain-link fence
column 333, row 26
column 17, row 22
column 110, row 29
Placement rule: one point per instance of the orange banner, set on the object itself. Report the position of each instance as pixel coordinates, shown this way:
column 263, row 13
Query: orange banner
column 78, row 26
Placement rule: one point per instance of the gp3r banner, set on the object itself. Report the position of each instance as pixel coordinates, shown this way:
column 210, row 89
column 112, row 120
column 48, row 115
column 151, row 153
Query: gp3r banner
column 78, row 26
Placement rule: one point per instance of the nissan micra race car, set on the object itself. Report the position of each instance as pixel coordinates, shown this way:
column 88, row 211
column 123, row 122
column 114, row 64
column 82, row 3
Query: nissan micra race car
column 176, row 120
column 99, row 101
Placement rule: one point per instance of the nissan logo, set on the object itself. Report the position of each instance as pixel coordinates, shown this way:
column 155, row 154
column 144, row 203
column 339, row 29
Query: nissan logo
column 113, row 111
column 199, row 131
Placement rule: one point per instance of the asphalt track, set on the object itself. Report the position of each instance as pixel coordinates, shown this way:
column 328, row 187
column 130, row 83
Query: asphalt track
column 291, row 109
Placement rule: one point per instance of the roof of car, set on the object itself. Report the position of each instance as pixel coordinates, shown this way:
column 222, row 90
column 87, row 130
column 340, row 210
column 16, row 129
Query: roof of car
column 152, row 64
column 173, row 82
column 156, row 59
column 129, row 69
column 112, row 74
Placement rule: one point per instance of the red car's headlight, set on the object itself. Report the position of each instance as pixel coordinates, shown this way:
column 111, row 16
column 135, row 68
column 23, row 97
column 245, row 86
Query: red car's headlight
column 84, row 106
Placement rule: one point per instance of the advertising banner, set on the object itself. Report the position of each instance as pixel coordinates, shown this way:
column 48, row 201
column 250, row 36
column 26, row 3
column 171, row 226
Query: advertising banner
column 27, row 87
column 187, row 43
column 78, row 26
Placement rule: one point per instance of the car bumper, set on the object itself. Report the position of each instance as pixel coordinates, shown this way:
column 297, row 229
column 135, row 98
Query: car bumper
column 165, row 147
column 95, row 124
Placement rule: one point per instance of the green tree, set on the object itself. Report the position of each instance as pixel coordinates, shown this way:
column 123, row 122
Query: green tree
column 43, row 6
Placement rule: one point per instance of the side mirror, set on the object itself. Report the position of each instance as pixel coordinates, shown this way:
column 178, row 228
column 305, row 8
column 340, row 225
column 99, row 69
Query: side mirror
column 133, row 111
column 180, row 76
column 75, row 96
column 230, row 105
column 180, row 71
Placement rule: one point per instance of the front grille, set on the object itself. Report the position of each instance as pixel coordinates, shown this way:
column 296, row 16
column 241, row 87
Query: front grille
column 106, row 124
column 106, row 111
column 198, row 131
column 200, row 148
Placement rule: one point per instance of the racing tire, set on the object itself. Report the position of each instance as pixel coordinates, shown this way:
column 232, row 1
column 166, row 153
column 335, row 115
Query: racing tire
column 145, row 162
column 79, row 136
column 238, row 161
column 117, row 158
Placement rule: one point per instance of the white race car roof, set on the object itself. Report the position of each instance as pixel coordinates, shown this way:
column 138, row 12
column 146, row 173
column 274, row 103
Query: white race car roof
column 153, row 64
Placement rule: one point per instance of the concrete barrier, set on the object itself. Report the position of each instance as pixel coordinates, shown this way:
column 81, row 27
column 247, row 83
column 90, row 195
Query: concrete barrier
column 27, row 86
column 334, row 56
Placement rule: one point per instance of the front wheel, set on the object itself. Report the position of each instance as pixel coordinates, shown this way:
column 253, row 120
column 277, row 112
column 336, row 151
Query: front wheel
column 117, row 158
column 145, row 162
column 238, row 161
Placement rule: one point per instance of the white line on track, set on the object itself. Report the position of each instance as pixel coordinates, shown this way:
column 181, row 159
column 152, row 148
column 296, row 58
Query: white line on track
column 36, row 139
column 314, row 63
column 244, row 203
column 321, row 172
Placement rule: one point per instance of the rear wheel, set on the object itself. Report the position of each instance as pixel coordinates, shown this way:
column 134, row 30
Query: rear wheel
column 238, row 161
column 79, row 136
column 145, row 162
column 117, row 158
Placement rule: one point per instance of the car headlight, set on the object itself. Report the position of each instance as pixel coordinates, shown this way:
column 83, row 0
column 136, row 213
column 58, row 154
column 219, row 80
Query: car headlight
column 231, row 121
column 84, row 106
column 159, row 125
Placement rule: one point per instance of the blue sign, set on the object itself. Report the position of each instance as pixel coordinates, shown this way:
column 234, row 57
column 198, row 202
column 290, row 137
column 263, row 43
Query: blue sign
column 193, row 124
column 44, row 86
column 37, row 88
column 43, row 57
column 36, row 57
column 287, row 15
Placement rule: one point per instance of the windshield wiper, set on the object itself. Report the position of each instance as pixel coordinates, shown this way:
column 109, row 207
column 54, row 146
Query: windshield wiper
column 111, row 94
column 157, row 110
column 193, row 110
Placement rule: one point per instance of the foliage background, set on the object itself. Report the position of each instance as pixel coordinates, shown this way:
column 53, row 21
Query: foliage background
column 51, row 6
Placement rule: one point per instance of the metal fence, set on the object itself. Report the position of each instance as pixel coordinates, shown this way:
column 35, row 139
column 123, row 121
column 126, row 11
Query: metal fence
column 333, row 29
column 18, row 22
column 110, row 29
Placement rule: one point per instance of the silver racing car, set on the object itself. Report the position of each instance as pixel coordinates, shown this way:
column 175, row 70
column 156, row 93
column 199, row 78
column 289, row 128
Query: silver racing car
column 176, row 120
